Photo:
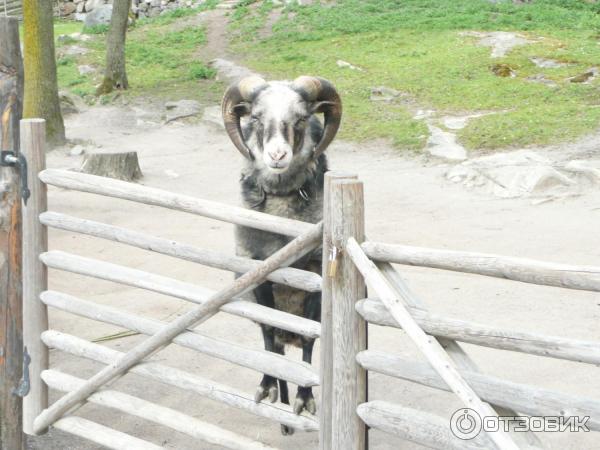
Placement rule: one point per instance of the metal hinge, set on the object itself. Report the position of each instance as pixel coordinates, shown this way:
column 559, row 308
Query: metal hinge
column 10, row 159
column 25, row 384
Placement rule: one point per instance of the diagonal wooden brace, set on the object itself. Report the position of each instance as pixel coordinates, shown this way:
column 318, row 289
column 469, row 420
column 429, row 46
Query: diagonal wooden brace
column 297, row 248
column 431, row 349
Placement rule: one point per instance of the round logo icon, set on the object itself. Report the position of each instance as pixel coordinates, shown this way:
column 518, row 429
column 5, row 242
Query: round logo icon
column 465, row 424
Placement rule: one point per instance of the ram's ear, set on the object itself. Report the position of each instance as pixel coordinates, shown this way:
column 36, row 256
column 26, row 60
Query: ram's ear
column 242, row 109
column 321, row 107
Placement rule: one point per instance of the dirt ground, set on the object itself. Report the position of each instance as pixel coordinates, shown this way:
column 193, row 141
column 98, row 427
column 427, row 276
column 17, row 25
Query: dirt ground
column 408, row 200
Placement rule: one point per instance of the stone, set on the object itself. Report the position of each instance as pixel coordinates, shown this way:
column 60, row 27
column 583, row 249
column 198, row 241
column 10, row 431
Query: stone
column 541, row 78
column 444, row 145
column 182, row 108
column 68, row 8
column 85, row 69
column 99, row 16
column 212, row 114
column 545, row 63
column 78, row 150
column 91, row 5
column 346, row 65
column 80, row 7
column 73, row 50
column 70, row 103
column 585, row 77
column 501, row 42
column 383, row 94
column 228, row 71
column 503, row 70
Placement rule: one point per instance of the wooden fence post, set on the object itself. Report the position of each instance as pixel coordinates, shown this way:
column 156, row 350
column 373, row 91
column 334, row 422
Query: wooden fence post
column 11, row 334
column 344, row 333
column 35, row 273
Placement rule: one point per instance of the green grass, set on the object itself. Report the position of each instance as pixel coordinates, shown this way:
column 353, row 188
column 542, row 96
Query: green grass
column 415, row 46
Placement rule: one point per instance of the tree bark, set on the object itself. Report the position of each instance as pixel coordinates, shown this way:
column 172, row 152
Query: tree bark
column 115, row 76
column 41, row 85
column 11, row 326
column 120, row 165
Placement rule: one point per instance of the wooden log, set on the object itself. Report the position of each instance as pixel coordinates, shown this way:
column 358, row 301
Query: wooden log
column 179, row 289
column 430, row 348
column 292, row 251
column 326, row 343
column 35, row 273
column 277, row 412
column 348, row 330
column 279, row 366
column 11, row 325
column 300, row 279
column 102, row 435
column 160, row 415
column 118, row 165
column 157, row 197
column 511, row 268
column 588, row 352
column 527, row 399
column 417, row 426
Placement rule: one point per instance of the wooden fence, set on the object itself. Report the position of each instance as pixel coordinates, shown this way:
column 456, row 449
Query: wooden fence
column 350, row 264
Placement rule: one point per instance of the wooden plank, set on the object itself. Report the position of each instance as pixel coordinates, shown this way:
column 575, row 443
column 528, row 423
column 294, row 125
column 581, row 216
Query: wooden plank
column 35, row 273
column 429, row 347
column 326, row 343
column 417, row 426
column 588, row 352
column 527, row 399
column 511, row 268
column 160, row 415
column 292, row 251
column 349, row 331
column 279, row 366
column 157, row 197
column 300, row 279
column 11, row 325
column 102, row 435
column 186, row 291
column 277, row 412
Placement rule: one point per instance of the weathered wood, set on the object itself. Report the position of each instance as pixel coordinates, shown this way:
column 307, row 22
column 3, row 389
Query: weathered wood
column 279, row 366
column 429, row 347
column 277, row 412
column 326, row 343
column 526, row 399
column 179, row 289
column 588, row 352
column 289, row 276
column 157, row 197
column 102, row 435
column 517, row 269
column 155, row 413
column 417, row 426
column 294, row 250
column 118, row 165
column 35, row 274
column 11, row 326
column 348, row 330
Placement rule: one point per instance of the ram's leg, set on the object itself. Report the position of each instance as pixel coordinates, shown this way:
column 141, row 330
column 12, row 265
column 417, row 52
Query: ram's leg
column 284, row 394
column 268, row 385
column 304, row 397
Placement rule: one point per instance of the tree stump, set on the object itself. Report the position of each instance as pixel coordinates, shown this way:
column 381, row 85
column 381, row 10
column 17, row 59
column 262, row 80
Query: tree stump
column 120, row 165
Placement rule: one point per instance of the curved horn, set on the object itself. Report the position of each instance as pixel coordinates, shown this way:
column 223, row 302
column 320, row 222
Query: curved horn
column 321, row 90
column 235, row 96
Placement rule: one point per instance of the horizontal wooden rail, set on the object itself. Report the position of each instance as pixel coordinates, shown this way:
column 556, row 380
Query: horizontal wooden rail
column 289, row 276
column 585, row 278
column 417, row 426
column 102, row 435
column 156, row 413
column 270, row 363
column 151, row 196
column 525, row 399
column 277, row 412
column 374, row 311
column 186, row 291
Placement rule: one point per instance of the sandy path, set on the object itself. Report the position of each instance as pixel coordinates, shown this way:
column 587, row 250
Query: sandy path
column 408, row 201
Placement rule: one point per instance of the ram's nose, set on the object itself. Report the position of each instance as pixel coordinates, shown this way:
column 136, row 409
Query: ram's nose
column 277, row 155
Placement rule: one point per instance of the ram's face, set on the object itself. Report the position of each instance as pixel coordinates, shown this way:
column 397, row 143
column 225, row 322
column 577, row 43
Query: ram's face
column 279, row 117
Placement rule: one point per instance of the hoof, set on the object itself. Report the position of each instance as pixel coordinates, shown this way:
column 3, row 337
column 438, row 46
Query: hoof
column 286, row 430
column 263, row 392
column 305, row 401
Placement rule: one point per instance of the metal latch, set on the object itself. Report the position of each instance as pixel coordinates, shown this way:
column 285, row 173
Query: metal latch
column 9, row 159
column 25, row 384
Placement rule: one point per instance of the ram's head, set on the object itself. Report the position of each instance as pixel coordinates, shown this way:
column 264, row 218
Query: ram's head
column 280, row 116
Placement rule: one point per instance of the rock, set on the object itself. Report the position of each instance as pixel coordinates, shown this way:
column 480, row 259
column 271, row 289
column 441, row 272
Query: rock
column 585, row 77
column 346, row 65
column 99, row 16
column 212, row 114
column 383, row 94
column 589, row 169
column 91, row 5
column 443, row 144
column 80, row 7
column 545, row 63
column 541, row 78
column 503, row 70
column 70, row 103
column 181, row 109
column 67, row 8
column 85, row 69
column 500, row 41
column 73, row 50
column 171, row 174
column 78, row 150
column 228, row 71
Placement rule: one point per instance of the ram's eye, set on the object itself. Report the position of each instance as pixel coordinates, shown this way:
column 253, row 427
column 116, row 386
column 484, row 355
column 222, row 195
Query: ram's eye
column 301, row 122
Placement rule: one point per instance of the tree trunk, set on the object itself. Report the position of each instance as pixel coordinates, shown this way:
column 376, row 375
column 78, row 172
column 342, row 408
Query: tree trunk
column 115, row 76
column 41, row 86
column 11, row 325
column 119, row 165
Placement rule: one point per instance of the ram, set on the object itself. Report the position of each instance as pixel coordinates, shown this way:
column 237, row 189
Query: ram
column 275, row 126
